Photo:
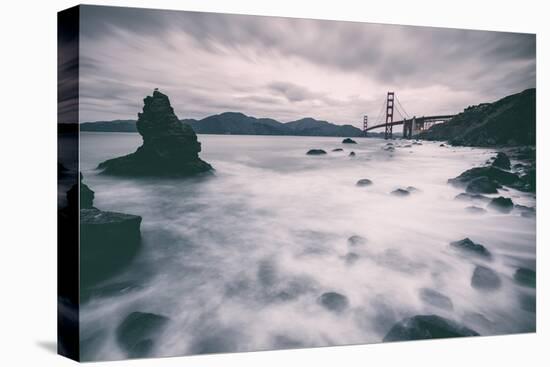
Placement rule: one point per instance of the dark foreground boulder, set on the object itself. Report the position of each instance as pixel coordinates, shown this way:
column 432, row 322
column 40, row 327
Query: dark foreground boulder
column 334, row 302
column 501, row 161
column 400, row 192
column 316, row 152
column 348, row 141
column 466, row 245
column 526, row 277
column 137, row 333
column 108, row 243
column 427, row 327
column 170, row 148
column 494, row 174
column 364, row 182
column 482, row 185
column 86, row 195
column 502, row 204
column 485, row 279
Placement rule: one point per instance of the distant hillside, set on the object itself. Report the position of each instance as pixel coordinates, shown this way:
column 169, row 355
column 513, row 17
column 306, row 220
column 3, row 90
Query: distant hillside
column 236, row 123
column 119, row 126
column 509, row 121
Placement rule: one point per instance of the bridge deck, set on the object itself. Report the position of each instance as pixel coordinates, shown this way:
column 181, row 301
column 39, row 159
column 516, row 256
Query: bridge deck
column 418, row 119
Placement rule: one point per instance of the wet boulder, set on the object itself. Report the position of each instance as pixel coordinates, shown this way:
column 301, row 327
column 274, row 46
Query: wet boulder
column 502, row 204
column 138, row 332
column 475, row 210
column 501, row 161
column 436, row 299
column 472, row 197
column 400, row 192
column 334, row 302
column 364, row 182
column 316, row 152
column 170, row 147
column 338, row 150
column 348, row 141
column 427, row 327
column 352, row 154
column 482, row 185
column 485, row 279
column 494, row 174
column 526, row 277
column 466, row 245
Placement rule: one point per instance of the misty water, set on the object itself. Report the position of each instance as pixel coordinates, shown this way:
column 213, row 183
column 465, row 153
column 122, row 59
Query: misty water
column 238, row 260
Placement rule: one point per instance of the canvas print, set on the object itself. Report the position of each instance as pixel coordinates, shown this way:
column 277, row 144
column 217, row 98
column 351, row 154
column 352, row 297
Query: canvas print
column 234, row 183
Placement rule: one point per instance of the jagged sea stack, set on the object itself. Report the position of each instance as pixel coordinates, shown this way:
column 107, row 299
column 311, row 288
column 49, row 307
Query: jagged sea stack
column 170, row 147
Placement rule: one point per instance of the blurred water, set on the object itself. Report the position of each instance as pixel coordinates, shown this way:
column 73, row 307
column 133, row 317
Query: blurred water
column 238, row 261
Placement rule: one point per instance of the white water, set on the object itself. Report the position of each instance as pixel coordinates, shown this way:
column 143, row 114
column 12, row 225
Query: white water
column 218, row 252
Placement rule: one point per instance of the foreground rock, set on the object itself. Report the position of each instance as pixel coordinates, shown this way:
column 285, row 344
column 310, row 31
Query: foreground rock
column 427, row 327
column 138, row 332
column 352, row 154
column 502, row 204
column 466, row 245
column 494, row 174
column 475, row 210
column 338, row 150
column 86, row 195
column 348, row 141
column 400, row 192
column 482, row 185
column 334, row 302
column 316, row 152
column 501, row 161
column 436, row 299
column 364, row 182
column 485, row 279
column 170, row 148
column 526, row 277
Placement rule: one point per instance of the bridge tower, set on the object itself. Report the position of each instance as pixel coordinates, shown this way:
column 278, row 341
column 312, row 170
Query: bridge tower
column 389, row 115
column 365, row 124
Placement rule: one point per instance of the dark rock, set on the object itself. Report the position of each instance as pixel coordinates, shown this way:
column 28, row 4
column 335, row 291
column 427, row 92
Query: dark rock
column 441, row 145
column 502, row 204
column 529, row 180
column 170, row 148
column 356, row 240
column 352, row 154
column 501, row 161
column 472, row 197
column 108, row 242
column 528, row 303
column 348, row 141
column 485, row 279
column 475, row 210
column 436, row 298
column 334, row 302
column 482, row 185
column 86, row 195
column 427, row 327
column 526, row 277
column 467, row 245
column 389, row 149
column 338, row 150
column 316, row 152
column 400, row 192
column 494, row 174
column 364, row 182
column 351, row 258
column 138, row 332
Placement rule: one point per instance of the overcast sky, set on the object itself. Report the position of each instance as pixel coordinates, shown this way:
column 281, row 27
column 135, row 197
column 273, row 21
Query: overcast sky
column 289, row 68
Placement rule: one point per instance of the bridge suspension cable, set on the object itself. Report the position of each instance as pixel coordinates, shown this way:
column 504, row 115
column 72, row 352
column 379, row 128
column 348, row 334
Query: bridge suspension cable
column 402, row 108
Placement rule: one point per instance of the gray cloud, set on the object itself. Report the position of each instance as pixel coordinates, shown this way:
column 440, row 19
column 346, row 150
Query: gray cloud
column 294, row 67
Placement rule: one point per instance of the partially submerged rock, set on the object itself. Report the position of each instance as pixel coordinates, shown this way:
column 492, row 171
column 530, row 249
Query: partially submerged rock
column 466, row 245
column 170, row 147
column 501, row 161
column 348, row 141
column 364, row 182
column 338, row 150
column 472, row 197
column 356, row 240
column 482, row 185
column 494, row 174
column 526, row 277
column 475, row 209
column 436, row 298
column 334, row 302
column 502, row 204
column 138, row 332
column 316, row 152
column 427, row 327
column 485, row 279
column 352, row 154
column 400, row 192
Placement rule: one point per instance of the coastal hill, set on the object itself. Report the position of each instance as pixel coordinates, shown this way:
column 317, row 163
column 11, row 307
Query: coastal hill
column 510, row 121
column 236, row 123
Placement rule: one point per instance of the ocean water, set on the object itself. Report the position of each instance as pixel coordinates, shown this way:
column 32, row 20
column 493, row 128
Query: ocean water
column 237, row 261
